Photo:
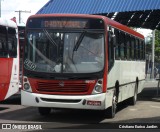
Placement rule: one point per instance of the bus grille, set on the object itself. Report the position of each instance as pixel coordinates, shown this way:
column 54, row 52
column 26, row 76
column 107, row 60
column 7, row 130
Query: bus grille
column 67, row 87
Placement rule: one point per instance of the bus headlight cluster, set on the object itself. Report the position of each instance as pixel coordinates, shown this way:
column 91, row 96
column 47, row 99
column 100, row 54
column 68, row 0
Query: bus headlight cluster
column 26, row 85
column 98, row 87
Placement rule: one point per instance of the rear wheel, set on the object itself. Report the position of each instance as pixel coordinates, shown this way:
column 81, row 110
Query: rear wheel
column 133, row 100
column 44, row 111
column 111, row 111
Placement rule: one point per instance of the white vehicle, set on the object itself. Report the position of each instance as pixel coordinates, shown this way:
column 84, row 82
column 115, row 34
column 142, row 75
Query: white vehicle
column 81, row 62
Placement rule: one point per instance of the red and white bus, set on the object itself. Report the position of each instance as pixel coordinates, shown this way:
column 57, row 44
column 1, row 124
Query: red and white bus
column 81, row 62
column 9, row 59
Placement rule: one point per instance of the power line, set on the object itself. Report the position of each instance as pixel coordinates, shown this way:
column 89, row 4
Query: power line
column 7, row 10
column 19, row 12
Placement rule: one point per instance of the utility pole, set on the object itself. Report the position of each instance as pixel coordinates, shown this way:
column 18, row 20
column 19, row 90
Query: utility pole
column 0, row 7
column 153, row 48
column 20, row 11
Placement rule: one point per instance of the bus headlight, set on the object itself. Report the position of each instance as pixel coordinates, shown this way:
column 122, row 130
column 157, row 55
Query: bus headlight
column 26, row 86
column 98, row 87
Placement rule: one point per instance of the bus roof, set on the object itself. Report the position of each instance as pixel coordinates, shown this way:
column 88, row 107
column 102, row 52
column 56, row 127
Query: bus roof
column 106, row 20
column 123, row 28
column 7, row 23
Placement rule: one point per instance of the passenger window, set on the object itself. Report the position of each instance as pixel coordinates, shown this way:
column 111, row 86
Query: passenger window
column 132, row 47
column 136, row 48
column 117, row 48
column 122, row 40
column 141, row 50
column 128, row 46
column 12, row 43
column 3, row 45
column 144, row 50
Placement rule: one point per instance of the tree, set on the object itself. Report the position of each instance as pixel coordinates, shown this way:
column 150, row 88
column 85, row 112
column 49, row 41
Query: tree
column 157, row 45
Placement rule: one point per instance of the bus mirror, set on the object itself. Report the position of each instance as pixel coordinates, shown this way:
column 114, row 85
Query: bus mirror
column 114, row 40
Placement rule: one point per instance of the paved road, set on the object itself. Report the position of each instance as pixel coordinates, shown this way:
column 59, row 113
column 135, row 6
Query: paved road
column 147, row 110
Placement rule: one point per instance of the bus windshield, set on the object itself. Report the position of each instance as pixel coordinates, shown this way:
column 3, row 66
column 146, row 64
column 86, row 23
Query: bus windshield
column 52, row 51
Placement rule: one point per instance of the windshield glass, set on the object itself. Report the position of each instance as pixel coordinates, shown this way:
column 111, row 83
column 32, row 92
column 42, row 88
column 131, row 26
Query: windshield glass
column 64, row 52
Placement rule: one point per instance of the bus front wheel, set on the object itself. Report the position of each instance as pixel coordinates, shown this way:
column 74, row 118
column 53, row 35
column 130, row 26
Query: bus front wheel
column 111, row 111
column 44, row 111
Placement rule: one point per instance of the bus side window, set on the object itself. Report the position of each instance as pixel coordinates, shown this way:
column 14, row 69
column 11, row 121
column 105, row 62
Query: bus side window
column 129, row 47
column 122, row 41
column 128, row 44
column 144, row 49
column 141, row 50
column 117, row 46
column 125, row 47
column 132, row 47
column 3, row 45
column 136, row 49
column 12, row 42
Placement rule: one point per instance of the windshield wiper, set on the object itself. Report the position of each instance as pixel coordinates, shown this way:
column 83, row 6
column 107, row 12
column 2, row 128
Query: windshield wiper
column 50, row 38
column 79, row 41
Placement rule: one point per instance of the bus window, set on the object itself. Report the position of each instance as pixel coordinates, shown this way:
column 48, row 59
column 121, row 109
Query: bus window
column 3, row 45
column 125, row 46
column 122, row 40
column 132, row 48
column 136, row 49
column 117, row 48
column 12, row 43
column 141, row 49
column 129, row 48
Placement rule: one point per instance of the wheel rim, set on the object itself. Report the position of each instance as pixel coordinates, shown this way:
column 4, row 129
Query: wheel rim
column 114, row 105
column 135, row 95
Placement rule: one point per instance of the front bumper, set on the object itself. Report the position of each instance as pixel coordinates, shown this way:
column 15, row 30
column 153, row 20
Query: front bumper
column 95, row 102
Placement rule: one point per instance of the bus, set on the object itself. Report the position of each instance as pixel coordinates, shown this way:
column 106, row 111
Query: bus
column 9, row 58
column 80, row 61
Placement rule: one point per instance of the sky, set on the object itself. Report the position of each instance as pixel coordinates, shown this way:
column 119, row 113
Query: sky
column 8, row 8
column 145, row 32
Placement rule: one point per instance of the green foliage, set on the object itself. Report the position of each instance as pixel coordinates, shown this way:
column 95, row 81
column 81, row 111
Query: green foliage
column 157, row 45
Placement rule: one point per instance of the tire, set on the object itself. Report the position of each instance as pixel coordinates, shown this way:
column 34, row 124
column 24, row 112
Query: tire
column 44, row 111
column 133, row 100
column 111, row 111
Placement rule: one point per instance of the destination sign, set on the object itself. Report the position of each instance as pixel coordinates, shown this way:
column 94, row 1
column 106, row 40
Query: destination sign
column 63, row 22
